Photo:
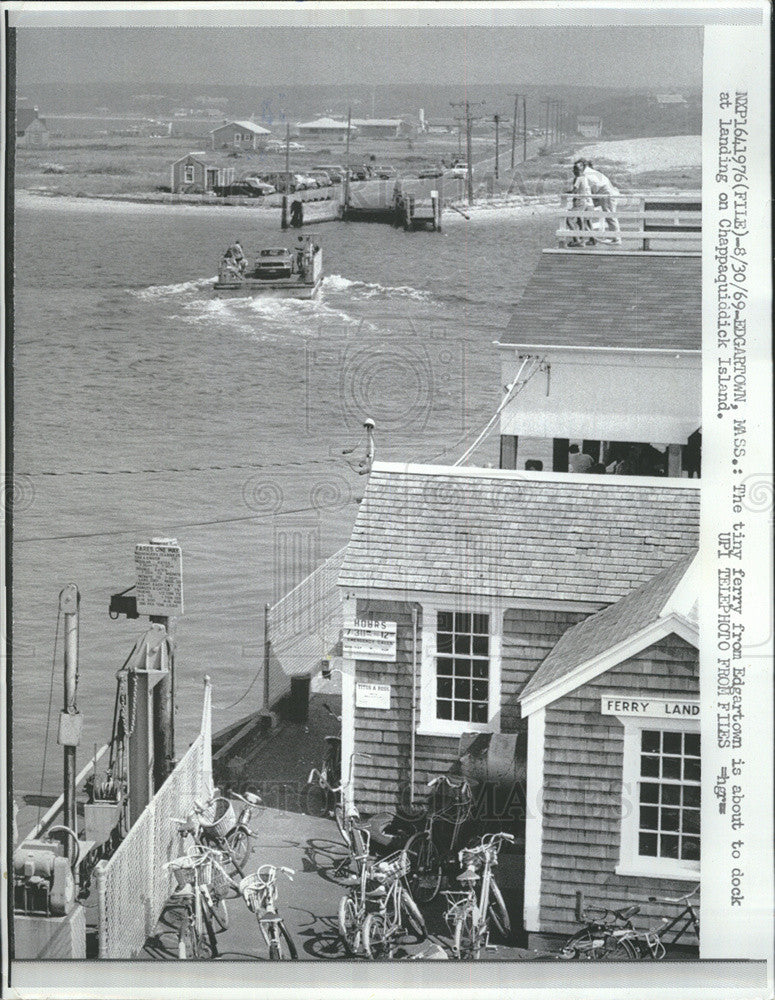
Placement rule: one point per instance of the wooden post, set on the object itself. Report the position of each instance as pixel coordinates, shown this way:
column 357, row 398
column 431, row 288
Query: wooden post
column 347, row 162
column 469, row 158
column 163, row 717
column 285, row 220
column 674, row 461
column 69, row 601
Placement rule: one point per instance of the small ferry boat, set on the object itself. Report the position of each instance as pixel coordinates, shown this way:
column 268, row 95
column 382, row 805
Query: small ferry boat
column 275, row 271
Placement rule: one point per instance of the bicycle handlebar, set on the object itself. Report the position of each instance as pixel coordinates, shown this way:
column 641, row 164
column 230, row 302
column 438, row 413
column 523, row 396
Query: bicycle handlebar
column 248, row 798
column 677, row 900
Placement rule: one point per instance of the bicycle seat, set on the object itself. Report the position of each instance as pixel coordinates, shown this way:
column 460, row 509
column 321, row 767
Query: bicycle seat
column 626, row 912
column 468, row 876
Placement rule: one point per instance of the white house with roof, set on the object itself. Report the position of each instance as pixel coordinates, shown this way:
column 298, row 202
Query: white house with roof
column 493, row 595
column 326, row 128
column 606, row 346
column 238, row 135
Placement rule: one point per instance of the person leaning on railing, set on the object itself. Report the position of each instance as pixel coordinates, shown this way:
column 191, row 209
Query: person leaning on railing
column 603, row 196
column 580, row 201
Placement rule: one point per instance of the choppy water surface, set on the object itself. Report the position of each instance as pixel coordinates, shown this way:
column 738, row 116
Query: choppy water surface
column 144, row 406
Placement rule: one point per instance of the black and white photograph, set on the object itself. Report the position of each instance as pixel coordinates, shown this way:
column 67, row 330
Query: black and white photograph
column 387, row 499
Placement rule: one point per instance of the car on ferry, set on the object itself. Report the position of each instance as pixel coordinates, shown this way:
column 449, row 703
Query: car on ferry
column 274, row 262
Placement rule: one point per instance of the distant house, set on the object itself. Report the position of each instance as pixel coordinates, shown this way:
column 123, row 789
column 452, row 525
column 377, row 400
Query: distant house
column 589, row 126
column 193, row 174
column 378, row 128
column 238, row 135
column 326, row 128
column 31, row 129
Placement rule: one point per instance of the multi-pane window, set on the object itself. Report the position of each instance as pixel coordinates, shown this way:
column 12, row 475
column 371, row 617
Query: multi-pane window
column 669, row 818
column 188, row 173
column 462, row 666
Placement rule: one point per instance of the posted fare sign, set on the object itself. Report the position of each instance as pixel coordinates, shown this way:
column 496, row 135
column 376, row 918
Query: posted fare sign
column 650, row 708
column 366, row 639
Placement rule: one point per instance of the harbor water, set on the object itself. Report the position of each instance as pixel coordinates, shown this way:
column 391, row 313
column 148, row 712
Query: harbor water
column 145, row 407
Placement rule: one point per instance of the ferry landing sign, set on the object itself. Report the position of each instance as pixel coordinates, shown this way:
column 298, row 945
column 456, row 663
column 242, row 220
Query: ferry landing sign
column 159, row 569
column 650, row 708
column 369, row 640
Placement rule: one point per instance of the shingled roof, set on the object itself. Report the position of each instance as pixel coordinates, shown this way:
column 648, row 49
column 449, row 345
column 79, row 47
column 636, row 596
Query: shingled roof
column 611, row 627
column 516, row 534
column 641, row 301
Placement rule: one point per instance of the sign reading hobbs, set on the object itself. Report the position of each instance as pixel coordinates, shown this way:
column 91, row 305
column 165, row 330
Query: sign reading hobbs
column 653, row 708
column 159, row 569
column 369, row 640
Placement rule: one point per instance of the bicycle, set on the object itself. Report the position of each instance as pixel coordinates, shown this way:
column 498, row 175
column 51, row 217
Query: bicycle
column 260, row 894
column 214, row 824
column 194, row 876
column 597, row 934
column 633, row 944
column 383, row 926
column 354, row 906
column 328, row 778
column 469, row 917
column 427, row 861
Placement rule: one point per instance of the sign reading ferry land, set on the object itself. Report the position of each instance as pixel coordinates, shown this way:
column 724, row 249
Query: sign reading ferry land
column 369, row 640
column 159, row 569
column 650, row 708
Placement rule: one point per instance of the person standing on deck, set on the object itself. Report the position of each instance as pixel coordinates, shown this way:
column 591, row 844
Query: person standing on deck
column 579, row 461
column 603, row 196
column 581, row 201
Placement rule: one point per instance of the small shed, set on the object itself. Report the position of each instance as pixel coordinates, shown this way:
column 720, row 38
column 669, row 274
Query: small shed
column 31, row 129
column 192, row 174
column 238, row 135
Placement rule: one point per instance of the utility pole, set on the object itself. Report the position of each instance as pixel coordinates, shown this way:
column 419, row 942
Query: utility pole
column 284, row 221
column 466, row 105
column 524, row 128
column 497, row 120
column 514, row 130
column 347, row 161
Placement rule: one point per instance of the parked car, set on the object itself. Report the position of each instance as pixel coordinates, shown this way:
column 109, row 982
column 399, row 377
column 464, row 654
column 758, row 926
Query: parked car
column 260, row 184
column 336, row 172
column 322, row 177
column 297, row 147
column 384, row 173
column 459, row 169
column 244, row 189
column 430, row 172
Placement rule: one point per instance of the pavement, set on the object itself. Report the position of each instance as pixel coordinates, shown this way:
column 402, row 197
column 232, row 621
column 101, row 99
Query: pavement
column 290, row 830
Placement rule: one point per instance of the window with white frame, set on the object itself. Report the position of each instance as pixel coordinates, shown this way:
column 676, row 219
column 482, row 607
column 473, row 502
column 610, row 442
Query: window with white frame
column 660, row 832
column 462, row 666
column 188, row 173
column 460, row 681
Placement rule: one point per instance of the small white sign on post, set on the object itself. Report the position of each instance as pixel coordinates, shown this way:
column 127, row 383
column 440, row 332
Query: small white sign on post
column 159, row 569
column 372, row 695
column 370, row 640
column 650, row 708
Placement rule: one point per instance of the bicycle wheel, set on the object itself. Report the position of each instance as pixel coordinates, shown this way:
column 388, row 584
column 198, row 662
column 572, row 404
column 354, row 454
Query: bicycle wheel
column 413, row 919
column 219, row 913
column 466, row 942
column 618, row 949
column 497, row 912
column 281, row 948
column 349, row 925
column 239, row 845
column 376, row 938
column 425, row 870
column 584, row 944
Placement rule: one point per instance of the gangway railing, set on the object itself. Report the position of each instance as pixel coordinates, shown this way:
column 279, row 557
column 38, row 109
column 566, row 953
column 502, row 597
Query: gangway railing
column 664, row 217
column 133, row 885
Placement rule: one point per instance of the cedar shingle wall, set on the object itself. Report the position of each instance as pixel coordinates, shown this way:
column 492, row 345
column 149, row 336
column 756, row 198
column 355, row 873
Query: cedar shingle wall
column 582, row 790
column 385, row 734
column 528, row 636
